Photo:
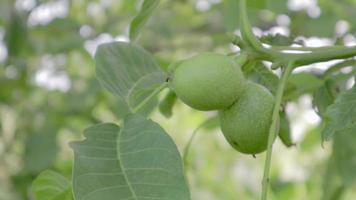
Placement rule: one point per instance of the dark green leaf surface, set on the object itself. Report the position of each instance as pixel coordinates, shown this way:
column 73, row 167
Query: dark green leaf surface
column 128, row 70
column 332, row 187
column 323, row 97
column 141, row 18
column 345, row 155
column 166, row 105
column 259, row 73
column 341, row 116
column 50, row 185
column 139, row 161
column 284, row 131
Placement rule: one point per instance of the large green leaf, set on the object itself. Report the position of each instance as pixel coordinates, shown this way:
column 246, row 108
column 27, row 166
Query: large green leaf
column 139, row 161
column 341, row 115
column 147, row 8
column 50, row 185
column 129, row 71
column 121, row 109
column 231, row 16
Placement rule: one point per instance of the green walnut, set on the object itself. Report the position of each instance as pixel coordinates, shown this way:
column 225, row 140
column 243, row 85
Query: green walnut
column 208, row 81
column 246, row 123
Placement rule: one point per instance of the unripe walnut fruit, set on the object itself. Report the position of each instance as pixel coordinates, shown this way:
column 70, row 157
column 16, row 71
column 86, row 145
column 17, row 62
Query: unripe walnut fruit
column 208, row 81
column 246, row 124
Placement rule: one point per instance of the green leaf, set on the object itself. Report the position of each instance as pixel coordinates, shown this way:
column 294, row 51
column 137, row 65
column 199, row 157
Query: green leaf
column 344, row 151
column 301, row 83
column 284, row 131
column 166, row 105
column 40, row 151
column 323, row 97
column 121, row 109
column 259, row 73
column 138, row 161
column 341, row 115
column 50, row 185
column 333, row 187
column 129, row 71
column 147, row 9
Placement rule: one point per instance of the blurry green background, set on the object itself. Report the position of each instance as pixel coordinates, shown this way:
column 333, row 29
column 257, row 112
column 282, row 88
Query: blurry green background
column 49, row 94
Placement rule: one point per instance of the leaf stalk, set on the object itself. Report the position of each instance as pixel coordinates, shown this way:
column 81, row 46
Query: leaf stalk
column 274, row 128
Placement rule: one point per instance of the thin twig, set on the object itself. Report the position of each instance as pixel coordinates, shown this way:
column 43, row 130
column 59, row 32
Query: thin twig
column 273, row 129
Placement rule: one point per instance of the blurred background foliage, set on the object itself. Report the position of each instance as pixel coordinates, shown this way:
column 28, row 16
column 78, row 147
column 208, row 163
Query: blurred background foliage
column 49, row 94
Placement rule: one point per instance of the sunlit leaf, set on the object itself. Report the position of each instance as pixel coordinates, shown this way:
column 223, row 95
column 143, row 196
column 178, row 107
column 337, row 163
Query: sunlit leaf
column 138, row 161
column 129, row 71
column 50, row 185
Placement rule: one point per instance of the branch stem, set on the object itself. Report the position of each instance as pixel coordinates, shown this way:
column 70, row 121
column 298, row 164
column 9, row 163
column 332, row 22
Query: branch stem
column 307, row 55
column 274, row 129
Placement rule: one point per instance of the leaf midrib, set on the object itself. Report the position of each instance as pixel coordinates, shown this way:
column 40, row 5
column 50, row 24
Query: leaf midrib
column 142, row 78
column 121, row 165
